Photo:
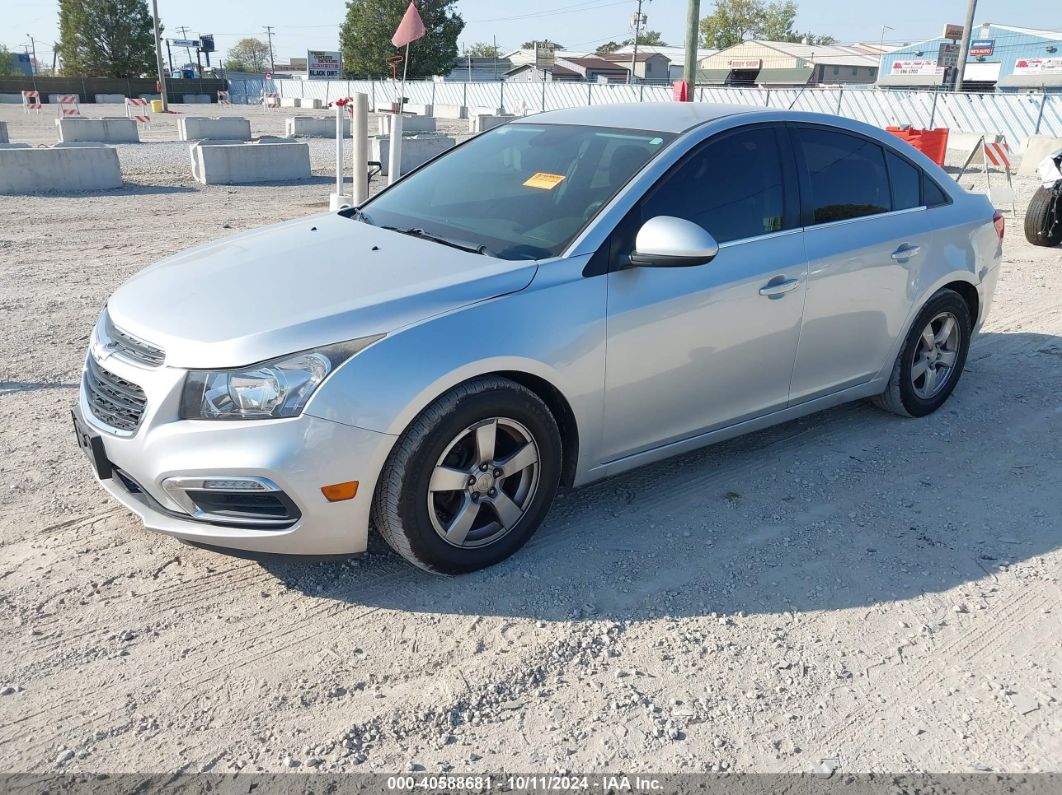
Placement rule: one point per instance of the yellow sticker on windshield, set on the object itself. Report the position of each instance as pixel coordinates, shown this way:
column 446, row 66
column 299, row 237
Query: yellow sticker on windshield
column 544, row 181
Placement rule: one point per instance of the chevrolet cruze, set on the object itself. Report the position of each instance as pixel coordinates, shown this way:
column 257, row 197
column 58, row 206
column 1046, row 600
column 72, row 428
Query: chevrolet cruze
column 557, row 300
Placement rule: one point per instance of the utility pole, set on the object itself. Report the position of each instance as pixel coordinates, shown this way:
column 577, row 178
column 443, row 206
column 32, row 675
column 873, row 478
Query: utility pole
column 158, row 57
column 964, row 48
column 269, row 33
column 693, row 20
column 33, row 61
column 183, row 30
column 637, row 25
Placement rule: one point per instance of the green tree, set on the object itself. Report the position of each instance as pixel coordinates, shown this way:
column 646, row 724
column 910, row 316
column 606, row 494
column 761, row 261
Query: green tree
column 8, row 64
column 247, row 55
column 649, row 37
column 733, row 21
column 483, row 49
column 106, row 38
column 365, row 37
column 609, row 46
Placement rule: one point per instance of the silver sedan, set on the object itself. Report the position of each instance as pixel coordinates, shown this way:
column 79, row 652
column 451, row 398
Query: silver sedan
column 557, row 300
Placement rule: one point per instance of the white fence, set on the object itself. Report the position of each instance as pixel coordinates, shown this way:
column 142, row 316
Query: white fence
column 1015, row 115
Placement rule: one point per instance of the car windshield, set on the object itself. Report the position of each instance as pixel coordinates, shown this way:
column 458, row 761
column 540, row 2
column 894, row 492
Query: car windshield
column 520, row 191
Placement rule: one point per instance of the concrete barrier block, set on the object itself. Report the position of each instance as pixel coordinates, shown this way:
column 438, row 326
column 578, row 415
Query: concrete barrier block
column 449, row 111
column 195, row 99
column 226, row 128
column 311, row 103
column 290, row 102
column 105, row 131
column 410, row 124
column 3, row 133
column 416, row 149
column 61, row 168
column 110, row 99
column 1036, row 148
column 241, row 163
column 314, row 127
column 485, row 110
column 482, row 122
column 10, row 99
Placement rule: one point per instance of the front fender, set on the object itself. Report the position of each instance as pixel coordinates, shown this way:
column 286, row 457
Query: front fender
column 553, row 329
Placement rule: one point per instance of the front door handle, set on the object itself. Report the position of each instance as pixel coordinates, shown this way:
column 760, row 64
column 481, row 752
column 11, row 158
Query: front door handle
column 905, row 252
column 776, row 289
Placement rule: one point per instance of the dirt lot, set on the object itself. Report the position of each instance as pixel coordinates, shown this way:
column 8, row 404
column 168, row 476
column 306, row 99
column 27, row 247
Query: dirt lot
column 853, row 586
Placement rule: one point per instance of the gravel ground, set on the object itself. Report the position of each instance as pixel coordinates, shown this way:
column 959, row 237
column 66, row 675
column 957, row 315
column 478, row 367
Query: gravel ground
column 849, row 586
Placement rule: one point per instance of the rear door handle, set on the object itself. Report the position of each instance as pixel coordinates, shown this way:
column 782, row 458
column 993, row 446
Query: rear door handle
column 905, row 252
column 776, row 289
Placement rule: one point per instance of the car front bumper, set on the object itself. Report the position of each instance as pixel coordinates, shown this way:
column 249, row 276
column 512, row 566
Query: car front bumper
column 300, row 455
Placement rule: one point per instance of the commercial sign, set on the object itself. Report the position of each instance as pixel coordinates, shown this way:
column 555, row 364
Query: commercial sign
column 185, row 42
column 982, row 47
column 545, row 58
column 748, row 63
column 948, row 55
column 1038, row 66
column 922, row 67
column 953, row 32
column 322, row 65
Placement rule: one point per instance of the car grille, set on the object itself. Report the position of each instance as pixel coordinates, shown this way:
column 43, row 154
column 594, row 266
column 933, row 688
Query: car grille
column 125, row 344
column 112, row 400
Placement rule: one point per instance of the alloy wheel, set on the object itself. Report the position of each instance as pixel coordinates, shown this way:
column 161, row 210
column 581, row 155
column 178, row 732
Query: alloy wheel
column 483, row 483
column 933, row 365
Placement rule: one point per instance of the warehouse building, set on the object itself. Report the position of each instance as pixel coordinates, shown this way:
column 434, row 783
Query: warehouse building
column 784, row 64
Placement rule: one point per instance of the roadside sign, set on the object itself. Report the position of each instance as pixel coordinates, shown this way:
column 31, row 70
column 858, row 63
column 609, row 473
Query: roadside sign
column 948, row 55
column 544, row 55
column 184, row 42
column 953, row 32
column 982, row 47
column 269, row 75
column 322, row 65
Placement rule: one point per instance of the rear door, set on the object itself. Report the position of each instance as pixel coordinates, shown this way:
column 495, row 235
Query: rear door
column 866, row 235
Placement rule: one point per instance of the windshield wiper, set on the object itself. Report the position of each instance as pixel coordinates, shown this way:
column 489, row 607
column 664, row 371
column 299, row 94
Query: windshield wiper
column 358, row 214
column 459, row 244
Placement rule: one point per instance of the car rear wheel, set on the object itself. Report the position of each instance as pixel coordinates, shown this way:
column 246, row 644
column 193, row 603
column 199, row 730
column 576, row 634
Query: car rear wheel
column 1043, row 219
column 931, row 359
column 471, row 479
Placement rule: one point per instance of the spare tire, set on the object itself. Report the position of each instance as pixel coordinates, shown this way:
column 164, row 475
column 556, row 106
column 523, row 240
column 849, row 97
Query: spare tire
column 1043, row 226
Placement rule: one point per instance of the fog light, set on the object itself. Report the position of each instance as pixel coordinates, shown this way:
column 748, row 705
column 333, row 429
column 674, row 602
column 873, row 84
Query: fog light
column 340, row 491
column 233, row 485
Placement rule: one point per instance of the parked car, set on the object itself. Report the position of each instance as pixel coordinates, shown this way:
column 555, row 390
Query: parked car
column 555, row 301
column 1043, row 219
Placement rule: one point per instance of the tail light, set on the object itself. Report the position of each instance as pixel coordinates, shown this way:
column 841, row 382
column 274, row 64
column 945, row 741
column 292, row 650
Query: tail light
column 999, row 224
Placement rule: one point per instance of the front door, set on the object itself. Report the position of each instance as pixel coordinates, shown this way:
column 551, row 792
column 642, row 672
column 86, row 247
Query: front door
column 692, row 349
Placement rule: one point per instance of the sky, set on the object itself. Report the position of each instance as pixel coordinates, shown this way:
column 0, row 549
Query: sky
column 577, row 24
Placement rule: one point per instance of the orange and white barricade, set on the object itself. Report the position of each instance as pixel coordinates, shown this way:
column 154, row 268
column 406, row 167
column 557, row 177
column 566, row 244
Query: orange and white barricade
column 68, row 106
column 31, row 100
column 139, row 109
column 998, row 154
column 271, row 99
column 223, row 98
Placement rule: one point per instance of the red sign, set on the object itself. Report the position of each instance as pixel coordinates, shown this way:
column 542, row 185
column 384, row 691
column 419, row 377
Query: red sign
column 269, row 75
column 679, row 91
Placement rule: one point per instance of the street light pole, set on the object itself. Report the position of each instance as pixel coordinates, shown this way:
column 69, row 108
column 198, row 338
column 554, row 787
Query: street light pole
column 158, row 57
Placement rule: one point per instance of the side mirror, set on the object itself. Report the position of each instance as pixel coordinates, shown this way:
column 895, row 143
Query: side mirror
column 669, row 242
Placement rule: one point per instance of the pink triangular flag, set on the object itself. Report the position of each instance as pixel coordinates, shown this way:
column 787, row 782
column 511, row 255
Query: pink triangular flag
column 410, row 29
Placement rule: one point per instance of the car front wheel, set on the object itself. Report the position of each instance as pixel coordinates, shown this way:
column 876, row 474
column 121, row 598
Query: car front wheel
column 471, row 479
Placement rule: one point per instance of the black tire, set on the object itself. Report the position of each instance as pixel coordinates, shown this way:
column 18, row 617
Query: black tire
column 1041, row 217
column 400, row 510
column 901, row 397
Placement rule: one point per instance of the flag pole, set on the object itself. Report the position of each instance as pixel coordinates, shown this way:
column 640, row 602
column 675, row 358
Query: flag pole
column 402, row 89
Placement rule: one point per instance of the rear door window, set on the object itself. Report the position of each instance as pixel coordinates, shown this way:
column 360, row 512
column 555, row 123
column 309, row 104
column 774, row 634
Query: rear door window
column 845, row 175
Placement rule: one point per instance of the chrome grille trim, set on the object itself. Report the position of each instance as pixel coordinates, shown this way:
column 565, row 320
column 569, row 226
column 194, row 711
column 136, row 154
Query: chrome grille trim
column 130, row 346
column 115, row 402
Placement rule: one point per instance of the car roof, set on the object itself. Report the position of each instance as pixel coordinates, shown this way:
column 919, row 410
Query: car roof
column 669, row 117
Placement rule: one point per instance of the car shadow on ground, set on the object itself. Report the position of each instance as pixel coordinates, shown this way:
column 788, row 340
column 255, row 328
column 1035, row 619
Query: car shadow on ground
column 848, row 508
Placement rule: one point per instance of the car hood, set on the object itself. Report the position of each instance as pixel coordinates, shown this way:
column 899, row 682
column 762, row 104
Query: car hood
column 298, row 285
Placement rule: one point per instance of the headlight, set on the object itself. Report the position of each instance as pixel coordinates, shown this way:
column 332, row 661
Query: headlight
column 270, row 390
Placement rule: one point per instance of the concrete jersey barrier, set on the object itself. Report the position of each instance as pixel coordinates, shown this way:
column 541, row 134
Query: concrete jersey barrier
column 3, row 133
column 225, row 128
column 105, row 131
column 63, row 168
column 1036, row 149
column 314, row 127
column 416, row 149
column 243, row 163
